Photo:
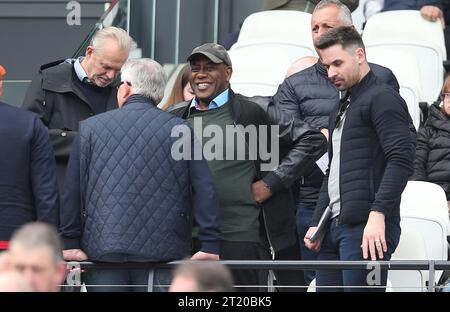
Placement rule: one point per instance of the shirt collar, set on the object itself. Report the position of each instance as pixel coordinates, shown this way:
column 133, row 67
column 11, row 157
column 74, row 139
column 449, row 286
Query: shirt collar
column 217, row 102
column 79, row 70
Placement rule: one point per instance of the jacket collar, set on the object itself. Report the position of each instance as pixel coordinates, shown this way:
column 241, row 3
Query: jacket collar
column 59, row 77
column 234, row 105
column 361, row 86
column 138, row 98
column 321, row 68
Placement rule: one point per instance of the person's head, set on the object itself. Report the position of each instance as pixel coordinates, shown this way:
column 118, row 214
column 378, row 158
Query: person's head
column 181, row 90
column 301, row 64
column 211, row 71
column 329, row 14
column 11, row 281
column 201, row 276
column 445, row 96
column 2, row 73
column 105, row 55
column 342, row 52
column 36, row 254
column 144, row 77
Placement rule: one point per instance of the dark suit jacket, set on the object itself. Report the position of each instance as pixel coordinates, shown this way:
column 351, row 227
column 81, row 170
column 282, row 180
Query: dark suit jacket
column 28, row 190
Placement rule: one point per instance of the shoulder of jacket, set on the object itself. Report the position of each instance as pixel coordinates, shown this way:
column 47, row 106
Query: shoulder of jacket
column 55, row 66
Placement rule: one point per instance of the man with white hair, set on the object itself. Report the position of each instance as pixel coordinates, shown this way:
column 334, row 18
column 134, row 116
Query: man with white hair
column 65, row 92
column 135, row 200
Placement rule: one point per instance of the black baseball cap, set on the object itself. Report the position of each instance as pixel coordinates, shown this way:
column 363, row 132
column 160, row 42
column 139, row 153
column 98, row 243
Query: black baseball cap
column 213, row 51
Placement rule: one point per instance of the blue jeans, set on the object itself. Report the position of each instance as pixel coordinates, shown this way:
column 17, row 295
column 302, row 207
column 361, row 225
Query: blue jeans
column 304, row 215
column 117, row 280
column 343, row 242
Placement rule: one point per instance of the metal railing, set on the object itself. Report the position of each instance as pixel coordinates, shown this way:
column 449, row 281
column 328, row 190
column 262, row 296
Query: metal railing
column 403, row 265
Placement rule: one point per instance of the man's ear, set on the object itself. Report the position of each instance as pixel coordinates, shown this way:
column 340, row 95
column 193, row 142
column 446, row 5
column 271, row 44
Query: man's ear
column 229, row 71
column 360, row 55
column 89, row 51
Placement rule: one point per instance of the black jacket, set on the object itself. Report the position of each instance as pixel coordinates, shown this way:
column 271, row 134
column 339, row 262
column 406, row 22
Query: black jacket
column 300, row 147
column 28, row 190
column 310, row 96
column 432, row 162
column 377, row 153
column 61, row 105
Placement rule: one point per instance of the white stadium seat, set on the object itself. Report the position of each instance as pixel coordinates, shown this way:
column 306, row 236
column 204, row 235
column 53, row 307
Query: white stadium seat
column 407, row 31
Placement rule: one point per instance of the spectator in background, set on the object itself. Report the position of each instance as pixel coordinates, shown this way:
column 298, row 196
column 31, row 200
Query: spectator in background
column 2, row 73
column 294, row 5
column 126, row 197
column 36, row 254
column 201, row 276
column 310, row 96
column 432, row 161
column 301, row 5
column 28, row 189
column 13, row 282
column 371, row 154
column 181, row 90
column 65, row 92
column 256, row 204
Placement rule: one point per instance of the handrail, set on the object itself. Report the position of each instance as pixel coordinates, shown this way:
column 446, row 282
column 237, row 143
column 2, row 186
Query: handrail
column 95, row 28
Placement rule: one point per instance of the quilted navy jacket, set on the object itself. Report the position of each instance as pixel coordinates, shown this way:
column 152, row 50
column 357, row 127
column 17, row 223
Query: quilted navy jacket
column 127, row 198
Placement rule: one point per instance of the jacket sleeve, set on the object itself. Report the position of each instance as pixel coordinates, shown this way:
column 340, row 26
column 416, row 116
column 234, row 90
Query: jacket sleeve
column 323, row 200
column 286, row 98
column 35, row 100
column 397, row 137
column 43, row 176
column 61, row 139
column 437, row 3
column 305, row 145
column 205, row 202
column 422, row 151
column 70, row 214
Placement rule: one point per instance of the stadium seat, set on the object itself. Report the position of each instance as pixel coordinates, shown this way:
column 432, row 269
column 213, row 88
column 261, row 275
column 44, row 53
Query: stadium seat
column 406, row 69
column 258, row 70
column 277, row 27
column 407, row 31
column 424, row 210
column 410, row 247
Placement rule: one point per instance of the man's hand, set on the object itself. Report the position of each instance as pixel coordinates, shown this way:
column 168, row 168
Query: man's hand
column 74, row 255
column 312, row 245
column 374, row 236
column 261, row 192
column 200, row 255
column 432, row 13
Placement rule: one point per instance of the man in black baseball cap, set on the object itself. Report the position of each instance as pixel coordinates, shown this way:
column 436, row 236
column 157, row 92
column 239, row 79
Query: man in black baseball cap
column 256, row 208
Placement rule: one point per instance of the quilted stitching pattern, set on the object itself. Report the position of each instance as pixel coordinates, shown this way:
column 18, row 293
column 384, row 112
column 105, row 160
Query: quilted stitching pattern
column 135, row 194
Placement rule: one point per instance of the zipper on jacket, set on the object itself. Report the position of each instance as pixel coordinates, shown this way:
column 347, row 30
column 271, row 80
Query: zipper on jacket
column 260, row 206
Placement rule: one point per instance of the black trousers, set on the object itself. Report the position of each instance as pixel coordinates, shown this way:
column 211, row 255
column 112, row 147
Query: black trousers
column 244, row 279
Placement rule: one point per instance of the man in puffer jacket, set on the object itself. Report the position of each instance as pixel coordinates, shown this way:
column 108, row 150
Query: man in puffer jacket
column 432, row 161
column 310, row 96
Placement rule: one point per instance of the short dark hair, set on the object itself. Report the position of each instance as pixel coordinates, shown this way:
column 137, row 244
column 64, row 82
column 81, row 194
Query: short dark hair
column 346, row 36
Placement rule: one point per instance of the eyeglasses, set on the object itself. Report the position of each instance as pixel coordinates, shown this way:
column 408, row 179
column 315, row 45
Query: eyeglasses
column 343, row 107
column 122, row 82
column 445, row 96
